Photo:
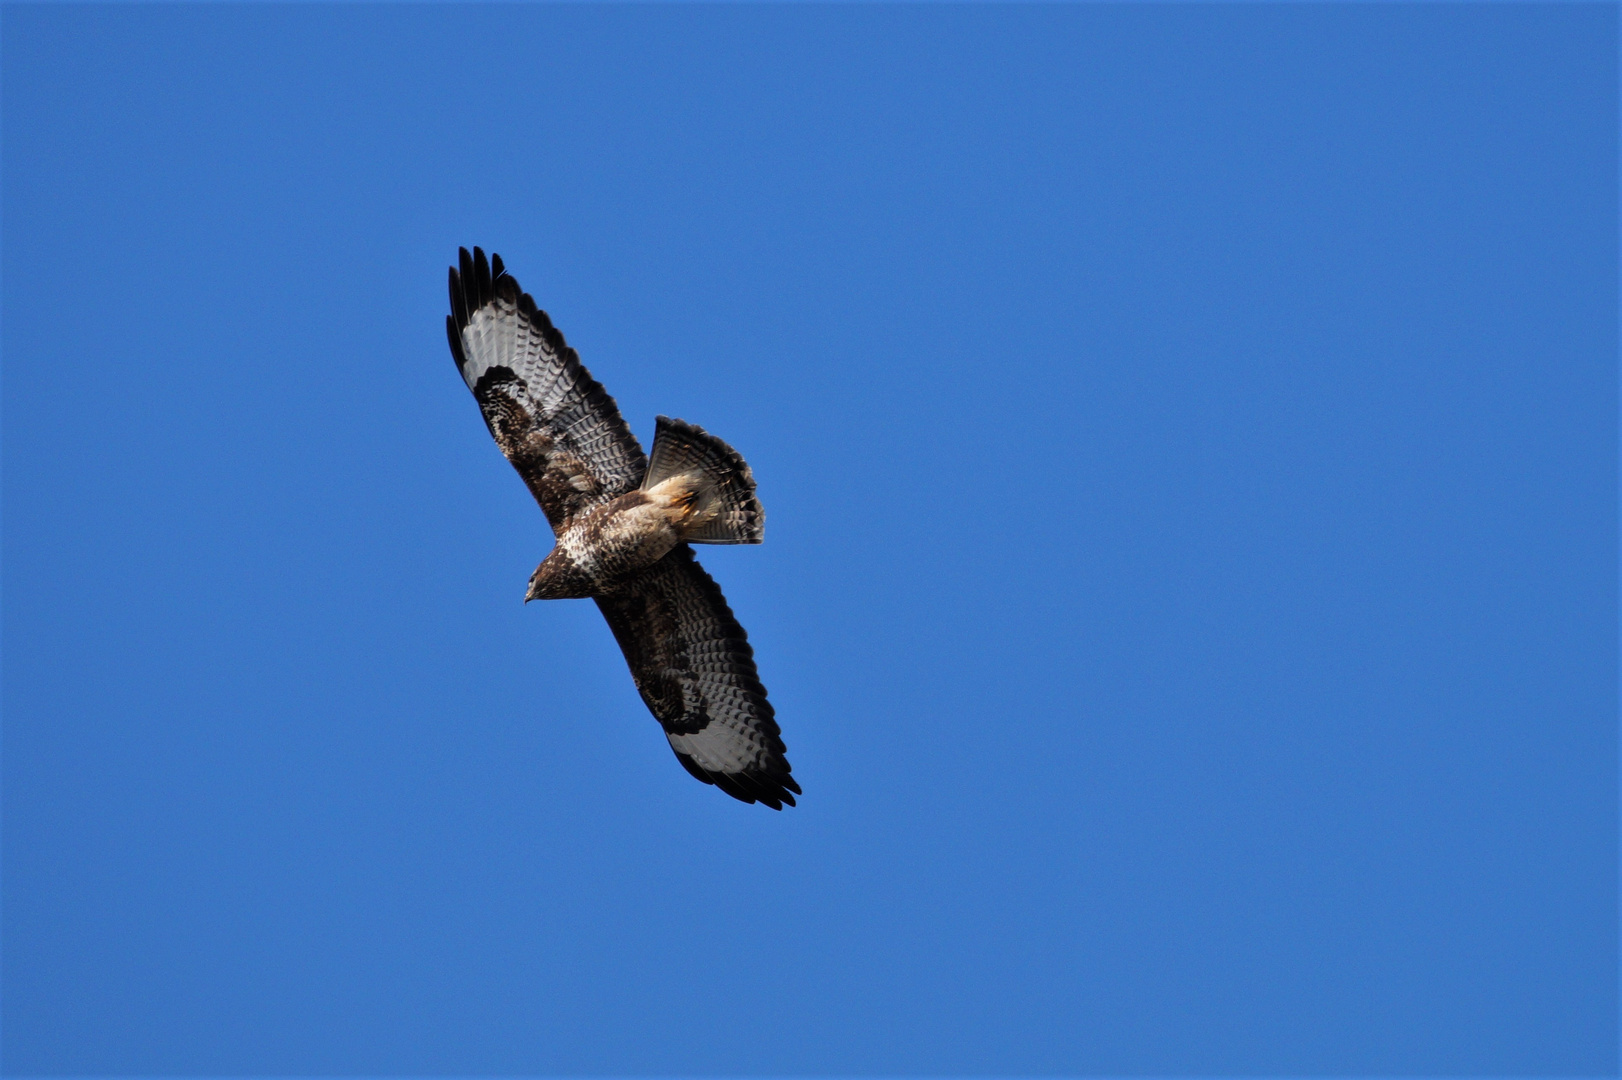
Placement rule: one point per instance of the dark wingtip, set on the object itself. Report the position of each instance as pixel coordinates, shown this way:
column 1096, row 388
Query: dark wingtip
column 454, row 333
column 474, row 281
column 768, row 789
column 481, row 275
column 729, row 784
column 458, row 300
column 751, row 787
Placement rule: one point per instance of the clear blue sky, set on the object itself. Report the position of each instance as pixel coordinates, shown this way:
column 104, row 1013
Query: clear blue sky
column 1189, row 440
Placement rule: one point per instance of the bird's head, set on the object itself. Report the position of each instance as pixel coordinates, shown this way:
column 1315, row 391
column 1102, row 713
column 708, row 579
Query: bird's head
column 558, row 578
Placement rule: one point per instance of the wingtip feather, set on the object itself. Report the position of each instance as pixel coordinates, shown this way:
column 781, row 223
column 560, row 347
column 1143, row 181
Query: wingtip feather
column 455, row 335
column 481, row 276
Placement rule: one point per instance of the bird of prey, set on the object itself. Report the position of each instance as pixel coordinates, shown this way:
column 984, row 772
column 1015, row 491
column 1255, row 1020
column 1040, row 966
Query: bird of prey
column 623, row 522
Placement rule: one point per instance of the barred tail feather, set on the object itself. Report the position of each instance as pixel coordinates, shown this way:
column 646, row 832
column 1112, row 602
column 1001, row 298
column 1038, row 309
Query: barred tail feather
column 724, row 481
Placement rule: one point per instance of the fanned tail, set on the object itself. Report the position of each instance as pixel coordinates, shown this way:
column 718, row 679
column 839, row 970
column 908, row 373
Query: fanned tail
column 724, row 487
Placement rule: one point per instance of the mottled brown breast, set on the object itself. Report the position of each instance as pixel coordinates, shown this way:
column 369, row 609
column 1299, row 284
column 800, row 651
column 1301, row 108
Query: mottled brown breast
column 615, row 540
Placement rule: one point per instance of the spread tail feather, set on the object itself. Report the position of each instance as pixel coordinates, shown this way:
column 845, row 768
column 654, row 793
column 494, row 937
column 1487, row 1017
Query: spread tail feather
column 722, row 478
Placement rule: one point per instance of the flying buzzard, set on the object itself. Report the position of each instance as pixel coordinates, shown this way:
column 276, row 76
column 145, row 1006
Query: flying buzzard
column 623, row 523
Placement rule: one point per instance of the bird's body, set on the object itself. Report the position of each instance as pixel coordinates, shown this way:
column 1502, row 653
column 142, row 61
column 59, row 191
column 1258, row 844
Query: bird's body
column 623, row 523
column 600, row 549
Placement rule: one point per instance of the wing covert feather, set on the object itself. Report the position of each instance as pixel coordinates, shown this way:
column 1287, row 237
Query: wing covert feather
column 693, row 666
column 552, row 420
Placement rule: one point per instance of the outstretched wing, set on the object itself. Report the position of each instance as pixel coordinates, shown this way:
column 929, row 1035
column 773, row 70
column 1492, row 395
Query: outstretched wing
column 555, row 423
column 692, row 663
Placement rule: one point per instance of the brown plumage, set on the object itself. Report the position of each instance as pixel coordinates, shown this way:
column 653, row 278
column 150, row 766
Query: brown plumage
column 623, row 524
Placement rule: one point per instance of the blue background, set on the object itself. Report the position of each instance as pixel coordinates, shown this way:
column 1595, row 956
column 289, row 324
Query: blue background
column 1189, row 441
